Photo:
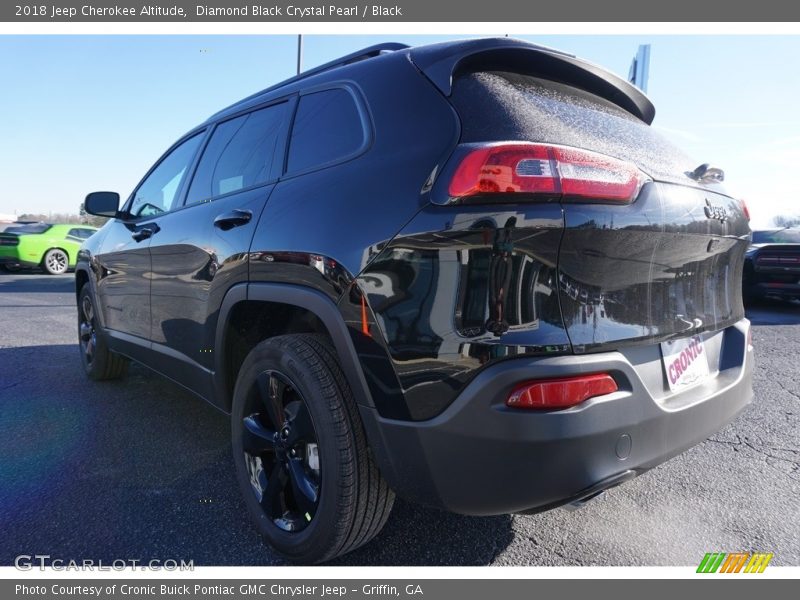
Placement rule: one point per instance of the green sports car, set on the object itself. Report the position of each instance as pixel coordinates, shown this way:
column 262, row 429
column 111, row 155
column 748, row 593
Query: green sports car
column 52, row 247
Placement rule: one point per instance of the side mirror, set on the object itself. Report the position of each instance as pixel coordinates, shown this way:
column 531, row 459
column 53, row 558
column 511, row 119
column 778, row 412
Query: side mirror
column 102, row 204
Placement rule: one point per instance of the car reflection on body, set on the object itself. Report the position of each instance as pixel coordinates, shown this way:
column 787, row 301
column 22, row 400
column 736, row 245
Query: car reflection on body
column 772, row 265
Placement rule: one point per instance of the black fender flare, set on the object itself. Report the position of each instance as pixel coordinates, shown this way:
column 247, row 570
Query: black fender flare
column 84, row 267
column 296, row 295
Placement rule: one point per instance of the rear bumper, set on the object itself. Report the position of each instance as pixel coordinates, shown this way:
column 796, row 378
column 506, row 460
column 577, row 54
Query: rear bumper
column 12, row 259
column 481, row 458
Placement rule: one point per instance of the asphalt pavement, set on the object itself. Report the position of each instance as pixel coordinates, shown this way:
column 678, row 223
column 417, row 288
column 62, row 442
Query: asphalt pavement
column 141, row 469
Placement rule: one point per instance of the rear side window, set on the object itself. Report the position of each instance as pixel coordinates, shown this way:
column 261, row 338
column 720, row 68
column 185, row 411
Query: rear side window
column 239, row 154
column 502, row 106
column 80, row 233
column 327, row 128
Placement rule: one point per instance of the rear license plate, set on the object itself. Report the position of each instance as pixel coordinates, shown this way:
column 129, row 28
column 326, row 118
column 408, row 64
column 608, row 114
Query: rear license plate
column 685, row 362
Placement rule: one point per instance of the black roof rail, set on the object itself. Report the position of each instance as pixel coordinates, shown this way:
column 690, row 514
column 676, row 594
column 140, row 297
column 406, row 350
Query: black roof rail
column 348, row 59
column 356, row 56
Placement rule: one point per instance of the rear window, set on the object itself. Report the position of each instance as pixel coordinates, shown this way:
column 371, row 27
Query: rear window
column 29, row 228
column 781, row 236
column 327, row 128
column 499, row 106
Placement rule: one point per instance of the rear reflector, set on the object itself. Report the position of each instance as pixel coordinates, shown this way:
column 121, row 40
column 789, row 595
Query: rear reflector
column 547, row 172
column 560, row 393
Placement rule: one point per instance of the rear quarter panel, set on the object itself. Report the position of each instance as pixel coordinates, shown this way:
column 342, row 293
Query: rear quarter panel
column 460, row 288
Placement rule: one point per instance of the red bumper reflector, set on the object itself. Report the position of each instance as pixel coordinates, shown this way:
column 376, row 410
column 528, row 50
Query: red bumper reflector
column 562, row 392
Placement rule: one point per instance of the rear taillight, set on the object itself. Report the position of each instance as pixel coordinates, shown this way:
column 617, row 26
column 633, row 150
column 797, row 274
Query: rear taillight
column 546, row 172
column 775, row 259
column 745, row 210
column 563, row 392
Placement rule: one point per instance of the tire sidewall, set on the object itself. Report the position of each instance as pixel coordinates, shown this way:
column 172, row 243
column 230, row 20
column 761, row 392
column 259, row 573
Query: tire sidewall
column 317, row 537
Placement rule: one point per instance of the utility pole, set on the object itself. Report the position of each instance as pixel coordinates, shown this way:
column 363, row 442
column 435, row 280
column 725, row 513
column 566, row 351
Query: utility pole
column 299, row 53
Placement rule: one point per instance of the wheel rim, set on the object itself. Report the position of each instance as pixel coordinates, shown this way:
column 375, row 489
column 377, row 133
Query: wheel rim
column 56, row 262
column 281, row 452
column 86, row 329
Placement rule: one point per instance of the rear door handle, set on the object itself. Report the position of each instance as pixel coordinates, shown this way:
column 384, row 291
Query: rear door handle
column 145, row 231
column 232, row 219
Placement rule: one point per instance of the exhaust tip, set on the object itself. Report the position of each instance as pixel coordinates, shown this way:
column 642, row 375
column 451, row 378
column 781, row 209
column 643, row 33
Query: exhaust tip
column 591, row 493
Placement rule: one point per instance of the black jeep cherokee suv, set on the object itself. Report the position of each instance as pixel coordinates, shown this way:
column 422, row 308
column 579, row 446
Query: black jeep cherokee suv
column 469, row 273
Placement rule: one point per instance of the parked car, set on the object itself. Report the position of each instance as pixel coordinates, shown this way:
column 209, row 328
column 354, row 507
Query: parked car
column 772, row 265
column 54, row 248
column 467, row 273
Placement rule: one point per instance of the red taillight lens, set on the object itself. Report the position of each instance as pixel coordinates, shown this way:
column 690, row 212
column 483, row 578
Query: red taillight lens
column 745, row 210
column 562, row 392
column 552, row 172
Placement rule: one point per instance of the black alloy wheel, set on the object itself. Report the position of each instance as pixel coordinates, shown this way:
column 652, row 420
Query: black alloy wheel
column 99, row 362
column 86, row 329
column 300, row 452
column 282, row 452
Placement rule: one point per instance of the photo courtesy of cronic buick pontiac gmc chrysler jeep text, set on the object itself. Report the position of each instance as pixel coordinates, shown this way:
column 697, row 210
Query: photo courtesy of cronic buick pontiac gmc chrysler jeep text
column 469, row 273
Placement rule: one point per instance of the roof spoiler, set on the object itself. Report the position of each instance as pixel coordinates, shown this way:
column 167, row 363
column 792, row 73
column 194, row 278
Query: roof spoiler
column 441, row 63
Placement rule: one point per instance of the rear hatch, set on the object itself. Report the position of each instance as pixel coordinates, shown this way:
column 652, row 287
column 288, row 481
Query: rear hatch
column 665, row 263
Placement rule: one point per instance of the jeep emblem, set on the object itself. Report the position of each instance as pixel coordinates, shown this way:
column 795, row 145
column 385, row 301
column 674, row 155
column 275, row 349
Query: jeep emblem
column 715, row 212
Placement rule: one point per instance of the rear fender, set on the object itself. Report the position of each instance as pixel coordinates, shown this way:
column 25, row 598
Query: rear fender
column 306, row 298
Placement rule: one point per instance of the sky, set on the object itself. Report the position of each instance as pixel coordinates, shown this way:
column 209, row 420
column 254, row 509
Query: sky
column 84, row 113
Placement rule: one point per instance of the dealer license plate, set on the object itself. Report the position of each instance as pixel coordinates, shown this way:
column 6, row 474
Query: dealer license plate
column 685, row 362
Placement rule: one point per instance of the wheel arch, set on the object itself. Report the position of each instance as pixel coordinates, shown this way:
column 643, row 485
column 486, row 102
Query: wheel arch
column 307, row 306
column 81, row 279
column 85, row 276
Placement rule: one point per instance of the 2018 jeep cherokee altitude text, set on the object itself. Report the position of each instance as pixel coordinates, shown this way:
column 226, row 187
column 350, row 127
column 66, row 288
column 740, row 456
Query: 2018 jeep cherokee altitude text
column 469, row 273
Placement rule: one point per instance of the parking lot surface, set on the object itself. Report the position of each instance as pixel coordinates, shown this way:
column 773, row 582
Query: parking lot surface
column 141, row 469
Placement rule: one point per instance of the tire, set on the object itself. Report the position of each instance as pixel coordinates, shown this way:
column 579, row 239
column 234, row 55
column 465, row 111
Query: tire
column 99, row 363
column 346, row 502
column 55, row 261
